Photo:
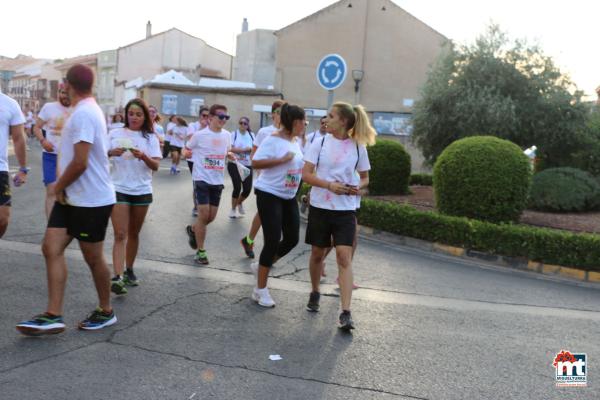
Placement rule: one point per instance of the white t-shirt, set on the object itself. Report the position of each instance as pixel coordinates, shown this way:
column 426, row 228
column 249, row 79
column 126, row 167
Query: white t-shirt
column 168, row 133
column 94, row 187
column 338, row 161
column 209, row 153
column 284, row 179
column 242, row 141
column 263, row 133
column 179, row 135
column 29, row 119
column 130, row 175
column 10, row 115
column 116, row 125
column 55, row 115
column 159, row 130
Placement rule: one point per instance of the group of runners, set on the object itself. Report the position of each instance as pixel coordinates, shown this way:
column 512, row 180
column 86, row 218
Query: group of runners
column 84, row 191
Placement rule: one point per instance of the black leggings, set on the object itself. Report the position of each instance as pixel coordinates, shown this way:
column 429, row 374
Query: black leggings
column 237, row 181
column 166, row 149
column 277, row 216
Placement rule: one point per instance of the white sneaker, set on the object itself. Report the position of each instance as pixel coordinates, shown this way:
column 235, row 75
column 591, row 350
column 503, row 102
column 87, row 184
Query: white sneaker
column 263, row 297
column 254, row 268
column 241, row 210
column 233, row 213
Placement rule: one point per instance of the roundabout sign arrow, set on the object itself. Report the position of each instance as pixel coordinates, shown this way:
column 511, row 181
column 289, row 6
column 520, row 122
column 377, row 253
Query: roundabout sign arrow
column 331, row 72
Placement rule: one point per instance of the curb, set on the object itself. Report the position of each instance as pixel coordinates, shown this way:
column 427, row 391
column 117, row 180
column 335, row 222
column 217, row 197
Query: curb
column 519, row 263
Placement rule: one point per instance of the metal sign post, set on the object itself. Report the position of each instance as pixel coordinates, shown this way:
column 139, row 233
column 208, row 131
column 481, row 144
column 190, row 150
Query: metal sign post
column 331, row 73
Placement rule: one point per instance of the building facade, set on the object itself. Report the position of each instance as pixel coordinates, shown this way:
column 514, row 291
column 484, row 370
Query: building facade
column 255, row 57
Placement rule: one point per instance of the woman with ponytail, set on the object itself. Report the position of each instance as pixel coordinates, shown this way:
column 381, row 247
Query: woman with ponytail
column 337, row 167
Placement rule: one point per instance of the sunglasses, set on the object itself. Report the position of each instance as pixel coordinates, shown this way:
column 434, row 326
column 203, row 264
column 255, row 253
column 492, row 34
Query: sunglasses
column 243, row 123
column 203, row 115
column 223, row 117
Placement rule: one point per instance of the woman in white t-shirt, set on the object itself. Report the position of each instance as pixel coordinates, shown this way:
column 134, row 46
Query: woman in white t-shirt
column 116, row 122
column 279, row 158
column 178, row 138
column 168, row 134
column 241, row 145
column 135, row 152
column 330, row 168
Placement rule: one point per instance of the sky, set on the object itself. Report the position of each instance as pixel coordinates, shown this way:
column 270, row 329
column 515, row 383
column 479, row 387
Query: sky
column 66, row 28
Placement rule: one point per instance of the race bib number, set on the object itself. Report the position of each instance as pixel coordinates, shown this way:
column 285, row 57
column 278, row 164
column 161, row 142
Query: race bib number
column 244, row 157
column 215, row 162
column 292, row 178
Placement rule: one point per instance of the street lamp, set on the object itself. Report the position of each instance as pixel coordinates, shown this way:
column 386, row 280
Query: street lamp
column 357, row 75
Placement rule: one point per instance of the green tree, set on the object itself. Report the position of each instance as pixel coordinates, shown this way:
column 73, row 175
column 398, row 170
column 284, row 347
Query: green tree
column 501, row 88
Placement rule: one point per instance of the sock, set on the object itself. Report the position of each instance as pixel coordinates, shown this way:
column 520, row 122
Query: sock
column 248, row 240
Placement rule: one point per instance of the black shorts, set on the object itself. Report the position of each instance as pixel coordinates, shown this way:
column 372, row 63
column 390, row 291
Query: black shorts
column 327, row 228
column 176, row 149
column 86, row 224
column 134, row 200
column 207, row 194
column 5, row 196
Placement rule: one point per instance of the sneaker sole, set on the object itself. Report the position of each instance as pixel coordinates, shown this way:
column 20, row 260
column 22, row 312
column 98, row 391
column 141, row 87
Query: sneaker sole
column 31, row 331
column 346, row 328
column 201, row 262
column 108, row 323
column 257, row 301
column 131, row 283
column 315, row 310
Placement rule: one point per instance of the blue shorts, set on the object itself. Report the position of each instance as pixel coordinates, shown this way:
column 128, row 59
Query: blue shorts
column 49, row 167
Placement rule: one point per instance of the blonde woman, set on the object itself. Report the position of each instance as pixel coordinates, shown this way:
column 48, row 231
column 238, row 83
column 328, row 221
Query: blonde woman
column 331, row 166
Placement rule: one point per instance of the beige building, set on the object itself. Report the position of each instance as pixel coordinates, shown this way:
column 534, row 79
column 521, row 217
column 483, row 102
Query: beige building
column 388, row 48
column 255, row 57
column 171, row 50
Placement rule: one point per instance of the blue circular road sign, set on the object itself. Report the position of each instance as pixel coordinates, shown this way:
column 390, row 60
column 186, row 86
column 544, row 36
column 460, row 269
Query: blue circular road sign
column 331, row 72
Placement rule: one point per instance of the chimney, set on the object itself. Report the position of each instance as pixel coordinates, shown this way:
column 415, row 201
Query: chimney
column 245, row 25
column 148, row 30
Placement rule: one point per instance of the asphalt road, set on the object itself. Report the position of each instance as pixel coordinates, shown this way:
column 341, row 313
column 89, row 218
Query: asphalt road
column 428, row 326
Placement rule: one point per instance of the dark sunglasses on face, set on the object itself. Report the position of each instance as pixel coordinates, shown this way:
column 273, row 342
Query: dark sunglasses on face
column 243, row 123
column 223, row 117
column 203, row 115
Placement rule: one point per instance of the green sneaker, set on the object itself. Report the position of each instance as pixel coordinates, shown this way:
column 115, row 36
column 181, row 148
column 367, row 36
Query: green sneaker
column 117, row 286
column 129, row 278
column 201, row 257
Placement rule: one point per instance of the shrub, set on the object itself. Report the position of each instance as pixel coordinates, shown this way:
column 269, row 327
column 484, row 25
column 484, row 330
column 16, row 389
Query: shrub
column 549, row 246
column 421, row 179
column 482, row 177
column 390, row 168
column 564, row 189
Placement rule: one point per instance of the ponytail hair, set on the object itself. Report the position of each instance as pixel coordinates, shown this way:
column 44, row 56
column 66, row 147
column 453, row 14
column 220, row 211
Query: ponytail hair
column 289, row 114
column 357, row 123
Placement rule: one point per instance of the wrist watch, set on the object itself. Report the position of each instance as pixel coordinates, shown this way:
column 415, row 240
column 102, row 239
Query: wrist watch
column 24, row 170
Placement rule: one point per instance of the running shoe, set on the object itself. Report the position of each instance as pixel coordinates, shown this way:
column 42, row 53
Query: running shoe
column 98, row 319
column 263, row 297
column 191, row 237
column 172, row 171
column 233, row 213
column 248, row 248
column 129, row 278
column 43, row 324
column 313, row 302
column 117, row 286
column 241, row 210
column 201, row 257
column 346, row 323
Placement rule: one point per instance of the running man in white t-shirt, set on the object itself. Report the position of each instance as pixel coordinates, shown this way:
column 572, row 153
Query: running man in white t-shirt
column 12, row 123
column 280, row 159
column 135, row 152
column 202, row 123
column 247, row 241
column 210, row 149
column 330, row 168
column 85, row 197
column 51, row 119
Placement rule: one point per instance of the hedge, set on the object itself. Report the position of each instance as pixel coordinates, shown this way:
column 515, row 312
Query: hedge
column 421, row 179
column 549, row 246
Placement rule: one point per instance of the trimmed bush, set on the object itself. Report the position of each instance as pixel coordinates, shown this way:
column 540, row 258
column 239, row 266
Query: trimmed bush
column 564, row 189
column 482, row 177
column 549, row 246
column 390, row 168
column 421, row 179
